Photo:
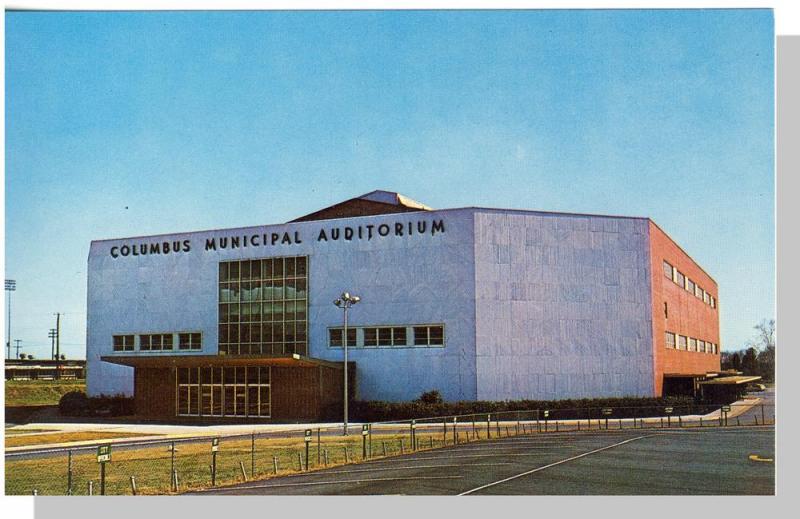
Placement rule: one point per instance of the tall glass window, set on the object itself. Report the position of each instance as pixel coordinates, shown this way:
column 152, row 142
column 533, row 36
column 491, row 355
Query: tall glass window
column 263, row 306
column 242, row 391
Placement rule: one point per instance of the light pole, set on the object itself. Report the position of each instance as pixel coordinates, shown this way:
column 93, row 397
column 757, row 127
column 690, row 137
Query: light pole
column 345, row 302
column 11, row 285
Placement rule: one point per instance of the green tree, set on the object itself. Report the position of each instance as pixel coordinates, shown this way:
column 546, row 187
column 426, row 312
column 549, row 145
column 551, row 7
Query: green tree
column 750, row 362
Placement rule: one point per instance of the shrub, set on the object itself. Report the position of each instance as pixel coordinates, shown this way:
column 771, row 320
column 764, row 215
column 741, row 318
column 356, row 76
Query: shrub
column 624, row 407
column 430, row 397
column 76, row 403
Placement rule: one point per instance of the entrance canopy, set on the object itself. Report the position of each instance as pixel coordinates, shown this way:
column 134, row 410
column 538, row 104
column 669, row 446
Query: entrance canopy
column 728, row 381
column 189, row 361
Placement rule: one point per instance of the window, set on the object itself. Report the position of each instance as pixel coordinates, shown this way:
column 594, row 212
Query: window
column 690, row 286
column 713, row 302
column 189, row 341
column 698, row 292
column 123, row 343
column 681, row 342
column 680, row 279
column 263, row 306
column 428, row 335
column 155, row 342
column 693, row 344
column 670, row 340
column 385, row 336
column 666, row 310
column 335, row 337
column 706, row 297
column 668, row 270
column 701, row 346
column 715, row 349
column 231, row 391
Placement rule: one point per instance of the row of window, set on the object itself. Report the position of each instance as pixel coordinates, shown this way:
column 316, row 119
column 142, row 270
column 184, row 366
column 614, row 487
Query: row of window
column 396, row 336
column 682, row 342
column 231, row 391
column 260, row 269
column 677, row 277
column 158, row 342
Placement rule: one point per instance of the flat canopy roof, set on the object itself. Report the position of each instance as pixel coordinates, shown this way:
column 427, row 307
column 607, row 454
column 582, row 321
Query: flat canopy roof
column 731, row 380
column 189, row 361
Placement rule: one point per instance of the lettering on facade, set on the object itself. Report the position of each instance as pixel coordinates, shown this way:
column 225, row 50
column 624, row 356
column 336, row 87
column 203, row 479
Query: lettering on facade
column 325, row 234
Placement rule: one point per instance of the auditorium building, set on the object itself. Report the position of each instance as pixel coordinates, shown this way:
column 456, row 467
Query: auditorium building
column 478, row 303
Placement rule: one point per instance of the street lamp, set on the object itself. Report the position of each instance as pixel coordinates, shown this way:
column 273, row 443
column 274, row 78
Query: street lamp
column 345, row 302
column 11, row 285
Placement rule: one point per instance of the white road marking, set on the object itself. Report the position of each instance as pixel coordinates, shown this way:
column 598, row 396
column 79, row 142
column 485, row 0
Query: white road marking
column 554, row 464
column 234, row 489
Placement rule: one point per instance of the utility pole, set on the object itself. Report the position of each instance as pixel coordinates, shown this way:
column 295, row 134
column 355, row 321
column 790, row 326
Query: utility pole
column 17, row 345
column 58, row 334
column 11, row 285
column 52, row 335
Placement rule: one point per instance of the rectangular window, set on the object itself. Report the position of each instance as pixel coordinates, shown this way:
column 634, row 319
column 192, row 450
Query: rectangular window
column 370, row 336
column 698, row 292
column 701, row 346
column 242, row 391
column 335, row 337
column 681, row 342
column 690, row 286
column 706, row 297
column 670, row 340
column 668, row 270
column 155, row 342
column 680, row 279
column 693, row 344
column 269, row 297
column 398, row 336
column 189, row 341
column 428, row 335
column 713, row 302
column 123, row 342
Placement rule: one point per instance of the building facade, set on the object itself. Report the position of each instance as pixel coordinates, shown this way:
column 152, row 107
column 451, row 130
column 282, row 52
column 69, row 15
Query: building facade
column 480, row 304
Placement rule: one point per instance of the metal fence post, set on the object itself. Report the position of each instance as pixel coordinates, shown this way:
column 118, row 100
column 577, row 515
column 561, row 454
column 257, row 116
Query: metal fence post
column 172, row 458
column 345, row 455
column 274, row 464
column 252, row 455
column 763, row 418
column 326, row 457
column 90, row 488
column 244, row 474
column 133, row 485
column 319, row 446
column 488, row 426
column 69, row 472
column 384, row 448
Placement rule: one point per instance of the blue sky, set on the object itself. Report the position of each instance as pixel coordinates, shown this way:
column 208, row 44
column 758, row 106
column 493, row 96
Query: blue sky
column 123, row 124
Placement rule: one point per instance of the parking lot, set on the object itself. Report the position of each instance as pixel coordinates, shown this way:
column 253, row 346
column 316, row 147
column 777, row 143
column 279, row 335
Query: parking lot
column 672, row 462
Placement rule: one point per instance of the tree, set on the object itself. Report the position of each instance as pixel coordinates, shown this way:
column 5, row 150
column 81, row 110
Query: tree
column 736, row 361
column 765, row 342
column 750, row 362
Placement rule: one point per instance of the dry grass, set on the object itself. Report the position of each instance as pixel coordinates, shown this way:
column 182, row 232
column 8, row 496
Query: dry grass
column 14, row 432
column 151, row 466
column 64, row 437
column 39, row 392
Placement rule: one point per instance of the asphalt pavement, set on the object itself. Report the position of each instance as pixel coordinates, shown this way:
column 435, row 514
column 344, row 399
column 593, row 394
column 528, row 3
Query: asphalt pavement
column 713, row 461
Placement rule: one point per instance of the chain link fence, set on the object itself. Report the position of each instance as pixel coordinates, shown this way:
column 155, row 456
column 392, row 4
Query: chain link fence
column 178, row 465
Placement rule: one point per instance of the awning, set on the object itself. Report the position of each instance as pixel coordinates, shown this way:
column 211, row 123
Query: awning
column 726, row 381
column 190, row 361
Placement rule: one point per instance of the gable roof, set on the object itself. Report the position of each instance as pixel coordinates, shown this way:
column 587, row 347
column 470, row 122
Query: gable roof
column 369, row 204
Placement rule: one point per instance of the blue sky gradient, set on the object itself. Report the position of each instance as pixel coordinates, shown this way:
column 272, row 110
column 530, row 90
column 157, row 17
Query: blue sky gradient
column 128, row 124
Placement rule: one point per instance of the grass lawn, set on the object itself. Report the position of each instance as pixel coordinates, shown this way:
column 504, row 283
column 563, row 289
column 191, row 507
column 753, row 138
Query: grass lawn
column 63, row 437
column 14, row 432
column 39, row 392
column 151, row 466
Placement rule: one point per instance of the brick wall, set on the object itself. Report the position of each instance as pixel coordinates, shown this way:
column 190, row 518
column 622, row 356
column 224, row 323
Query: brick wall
column 686, row 314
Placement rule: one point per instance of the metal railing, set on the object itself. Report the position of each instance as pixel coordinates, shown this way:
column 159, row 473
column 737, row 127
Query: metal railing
column 185, row 464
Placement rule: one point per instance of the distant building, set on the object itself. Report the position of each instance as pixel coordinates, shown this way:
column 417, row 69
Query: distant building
column 35, row 369
column 481, row 304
